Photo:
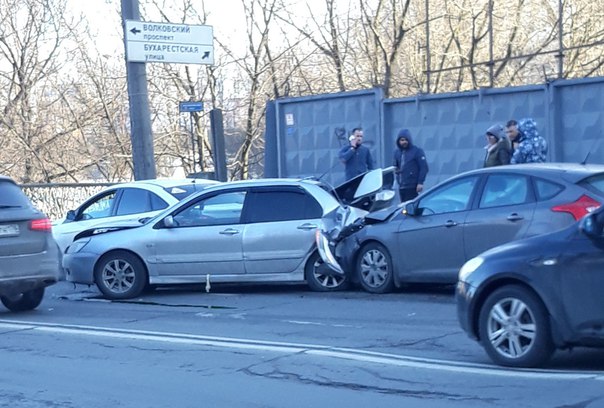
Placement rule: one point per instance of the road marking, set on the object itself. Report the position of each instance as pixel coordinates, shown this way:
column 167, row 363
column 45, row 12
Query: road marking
column 307, row 323
column 300, row 348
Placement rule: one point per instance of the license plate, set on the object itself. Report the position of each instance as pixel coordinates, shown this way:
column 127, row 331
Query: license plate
column 9, row 230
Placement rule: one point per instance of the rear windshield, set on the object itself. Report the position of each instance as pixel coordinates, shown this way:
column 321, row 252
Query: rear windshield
column 11, row 195
column 595, row 184
column 185, row 190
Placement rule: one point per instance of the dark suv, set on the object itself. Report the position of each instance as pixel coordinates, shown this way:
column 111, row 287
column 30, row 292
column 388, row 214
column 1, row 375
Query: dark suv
column 29, row 256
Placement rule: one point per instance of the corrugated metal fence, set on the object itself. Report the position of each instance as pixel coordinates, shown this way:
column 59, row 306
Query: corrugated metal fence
column 303, row 135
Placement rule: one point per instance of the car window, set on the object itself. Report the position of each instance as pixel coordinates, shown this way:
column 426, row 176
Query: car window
column 594, row 183
column 134, row 201
column 11, row 195
column 221, row 209
column 158, row 203
column 183, row 191
column 546, row 189
column 504, row 189
column 273, row 206
column 452, row 197
column 99, row 208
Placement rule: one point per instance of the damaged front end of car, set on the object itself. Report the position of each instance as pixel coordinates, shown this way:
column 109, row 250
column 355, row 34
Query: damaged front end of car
column 370, row 202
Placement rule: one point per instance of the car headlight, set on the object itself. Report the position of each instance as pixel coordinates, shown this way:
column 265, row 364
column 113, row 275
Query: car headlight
column 470, row 267
column 77, row 246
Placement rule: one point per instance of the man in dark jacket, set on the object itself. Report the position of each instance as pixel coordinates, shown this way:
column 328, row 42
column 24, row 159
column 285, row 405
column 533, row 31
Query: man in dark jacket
column 411, row 166
column 356, row 157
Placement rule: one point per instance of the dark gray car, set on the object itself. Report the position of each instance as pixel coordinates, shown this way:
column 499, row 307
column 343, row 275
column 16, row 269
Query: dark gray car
column 524, row 299
column 429, row 238
column 29, row 256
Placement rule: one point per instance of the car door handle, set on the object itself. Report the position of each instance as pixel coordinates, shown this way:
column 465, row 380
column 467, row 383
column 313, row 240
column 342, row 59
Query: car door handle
column 308, row 226
column 229, row 231
column 515, row 217
column 450, row 223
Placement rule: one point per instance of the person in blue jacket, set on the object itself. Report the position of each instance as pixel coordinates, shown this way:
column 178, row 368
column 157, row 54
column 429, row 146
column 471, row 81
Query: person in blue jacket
column 411, row 166
column 529, row 146
column 356, row 157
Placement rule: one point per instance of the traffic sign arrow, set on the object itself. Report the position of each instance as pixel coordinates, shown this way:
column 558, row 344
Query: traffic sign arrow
column 206, row 55
column 135, row 31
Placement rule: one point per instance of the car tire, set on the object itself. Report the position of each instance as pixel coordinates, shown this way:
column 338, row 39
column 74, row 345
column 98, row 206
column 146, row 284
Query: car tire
column 25, row 301
column 320, row 279
column 120, row 275
column 374, row 268
column 514, row 328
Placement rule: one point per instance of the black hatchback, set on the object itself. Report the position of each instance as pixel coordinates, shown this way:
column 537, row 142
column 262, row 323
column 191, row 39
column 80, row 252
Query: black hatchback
column 525, row 299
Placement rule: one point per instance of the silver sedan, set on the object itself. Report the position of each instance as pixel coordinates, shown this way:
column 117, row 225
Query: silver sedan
column 247, row 231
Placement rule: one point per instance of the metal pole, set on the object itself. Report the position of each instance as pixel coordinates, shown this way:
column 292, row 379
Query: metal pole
column 140, row 115
column 560, row 40
column 428, row 62
column 491, row 63
column 192, row 143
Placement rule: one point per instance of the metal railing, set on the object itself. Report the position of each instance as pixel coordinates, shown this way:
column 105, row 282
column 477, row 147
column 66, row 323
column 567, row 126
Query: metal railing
column 55, row 199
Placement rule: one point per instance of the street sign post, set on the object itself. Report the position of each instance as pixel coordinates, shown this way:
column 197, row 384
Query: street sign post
column 167, row 42
column 190, row 106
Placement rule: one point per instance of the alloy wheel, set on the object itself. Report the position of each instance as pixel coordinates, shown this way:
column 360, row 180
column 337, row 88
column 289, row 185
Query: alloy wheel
column 511, row 328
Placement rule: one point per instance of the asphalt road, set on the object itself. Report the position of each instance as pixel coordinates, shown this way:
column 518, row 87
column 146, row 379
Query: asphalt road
column 269, row 346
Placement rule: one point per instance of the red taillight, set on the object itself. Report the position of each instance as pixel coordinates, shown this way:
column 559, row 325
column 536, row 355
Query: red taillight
column 579, row 208
column 42, row 224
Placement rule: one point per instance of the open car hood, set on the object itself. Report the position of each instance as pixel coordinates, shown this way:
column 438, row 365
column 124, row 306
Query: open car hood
column 368, row 193
column 358, row 190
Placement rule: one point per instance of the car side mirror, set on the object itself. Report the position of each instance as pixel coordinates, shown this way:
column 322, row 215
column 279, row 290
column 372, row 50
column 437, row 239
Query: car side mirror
column 169, row 222
column 590, row 226
column 410, row 208
column 70, row 216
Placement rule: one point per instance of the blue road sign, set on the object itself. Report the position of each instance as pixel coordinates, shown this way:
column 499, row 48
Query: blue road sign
column 190, row 106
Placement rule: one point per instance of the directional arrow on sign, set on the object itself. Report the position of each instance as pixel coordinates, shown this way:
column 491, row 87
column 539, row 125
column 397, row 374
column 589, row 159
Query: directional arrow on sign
column 206, row 55
column 135, row 31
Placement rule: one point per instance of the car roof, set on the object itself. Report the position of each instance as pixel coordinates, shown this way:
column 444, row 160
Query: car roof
column 572, row 172
column 268, row 182
column 166, row 183
column 6, row 178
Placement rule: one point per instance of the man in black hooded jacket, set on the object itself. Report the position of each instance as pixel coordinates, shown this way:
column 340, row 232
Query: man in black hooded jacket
column 411, row 166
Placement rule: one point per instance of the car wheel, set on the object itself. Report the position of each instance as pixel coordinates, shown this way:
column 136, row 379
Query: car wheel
column 514, row 328
column 24, row 301
column 374, row 268
column 321, row 278
column 120, row 275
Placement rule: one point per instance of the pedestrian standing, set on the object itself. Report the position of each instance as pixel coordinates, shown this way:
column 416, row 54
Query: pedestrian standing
column 357, row 158
column 411, row 166
column 497, row 148
column 511, row 131
column 529, row 147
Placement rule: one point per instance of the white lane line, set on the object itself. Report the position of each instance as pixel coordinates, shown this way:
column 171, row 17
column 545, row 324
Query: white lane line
column 291, row 348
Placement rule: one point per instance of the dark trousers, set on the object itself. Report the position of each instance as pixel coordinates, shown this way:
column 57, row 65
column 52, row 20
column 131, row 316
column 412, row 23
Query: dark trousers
column 407, row 194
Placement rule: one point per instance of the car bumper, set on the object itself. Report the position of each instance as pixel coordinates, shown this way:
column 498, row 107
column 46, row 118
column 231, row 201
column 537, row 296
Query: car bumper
column 27, row 272
column 326, row 253
column 464, row 296
column 79, row 267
